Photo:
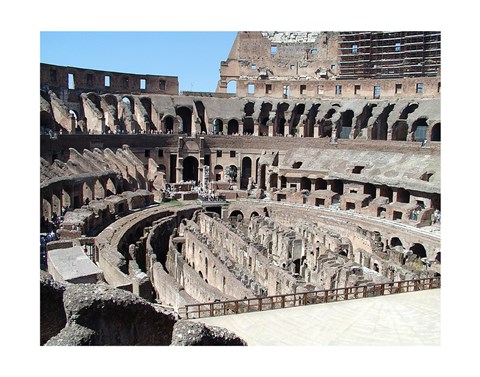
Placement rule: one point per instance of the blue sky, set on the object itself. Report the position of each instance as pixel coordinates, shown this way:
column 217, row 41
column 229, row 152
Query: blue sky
column 192, row 56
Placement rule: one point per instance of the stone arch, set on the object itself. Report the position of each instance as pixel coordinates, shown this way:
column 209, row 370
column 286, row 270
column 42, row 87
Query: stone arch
column 346, row 121
column 185, row 114
column 217, row 126
column 129, row 102
column 236, row 216
column 232, row 86
column 190, row 169
column 99, row 190
column 232, row 127
column 168, row 122
column 110, row 188
column 435, row 133
column 410, row 108
column 419, row 250
column 311, row 119
column 246, row 172
column 218, row 172
column 419, row 130
column 395, row 241
column 399, row 130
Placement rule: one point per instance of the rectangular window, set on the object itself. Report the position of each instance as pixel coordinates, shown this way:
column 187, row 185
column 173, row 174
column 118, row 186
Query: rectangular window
column 143, row 84
column 206, row 160
column 314, row 52
column 357, row 89
column 107, row 81
column 286, row 91
column 419, row 88
column 160, row 153
column 147, row 152
column 251, row 88
column 292, row 67
column 268, row 88
column 254, row 66
column 126, row 82
column 398, row 88
column 354, row 49
column 71, row 81
column 338, row 89
column 233, row 153
column 219, row 153
column 320, row 89
column 273, row 50
column 162, row 85
column 303, row 89
column 376, row 91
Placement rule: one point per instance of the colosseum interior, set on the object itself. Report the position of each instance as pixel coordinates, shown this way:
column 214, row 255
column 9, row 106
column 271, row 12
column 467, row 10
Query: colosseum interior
column 320, row 174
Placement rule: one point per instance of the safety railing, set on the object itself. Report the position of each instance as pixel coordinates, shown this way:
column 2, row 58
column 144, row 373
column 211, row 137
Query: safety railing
column 247, row 305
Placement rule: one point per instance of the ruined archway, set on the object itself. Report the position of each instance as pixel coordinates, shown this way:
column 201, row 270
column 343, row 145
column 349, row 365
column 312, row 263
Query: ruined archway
column 346, row 120
column 168, row 121
column 217, row 126
column 218, row 172
column 400, row 130
column 320, row 184
column 419, row 250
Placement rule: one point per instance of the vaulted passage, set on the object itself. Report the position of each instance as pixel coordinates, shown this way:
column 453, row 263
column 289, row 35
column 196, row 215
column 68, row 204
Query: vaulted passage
column 186, row 114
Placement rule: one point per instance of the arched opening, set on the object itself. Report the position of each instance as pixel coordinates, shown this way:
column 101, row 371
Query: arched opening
column 343, row 132
column 419, row 250
column 408, row 110
column 297, row 111
column 305, row 184
column 186, row 114
column 254, row 214
column 435, row 136
column 380, row 126
column 297, row 264
column 395, row 241
column 110, row 188
column 147, row 105
column 236, row 216
column 320, row 184
column 362, row 120
column 218, row 171
column 217, row 126
column 231, row 173
column 283, row 182
column 381, row 212
column 168, row 124
column 232, row 87
column 264, row 117
column 246, row 172
column 311, row 119
column 130, row 104
column 249, row 109
column 190, row 169
column 400, row 131
column 232, row 127
column 280, row 118
column 419, row 129
column 370, row 189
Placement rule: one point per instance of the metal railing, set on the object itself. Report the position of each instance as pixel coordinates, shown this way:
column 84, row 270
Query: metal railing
column 247, row 305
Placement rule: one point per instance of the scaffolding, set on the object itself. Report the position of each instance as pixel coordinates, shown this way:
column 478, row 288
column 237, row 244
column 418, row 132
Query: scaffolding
column 389, row 54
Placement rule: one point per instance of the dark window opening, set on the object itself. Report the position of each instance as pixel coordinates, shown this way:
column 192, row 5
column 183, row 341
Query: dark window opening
column 426, row 176
column 89, row 79
column 160, row 153
column 219, row 153
column 297, row 164
column 357, row 169
column 303, row 89
column 147, row 152
column 162, row 85
column 206, row 160
column 397, row 215
column 350, row 206
column 233, row 153
column 126, row 82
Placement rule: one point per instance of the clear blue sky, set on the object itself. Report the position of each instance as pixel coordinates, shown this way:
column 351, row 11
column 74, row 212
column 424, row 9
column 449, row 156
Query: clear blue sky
column 192, row 56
